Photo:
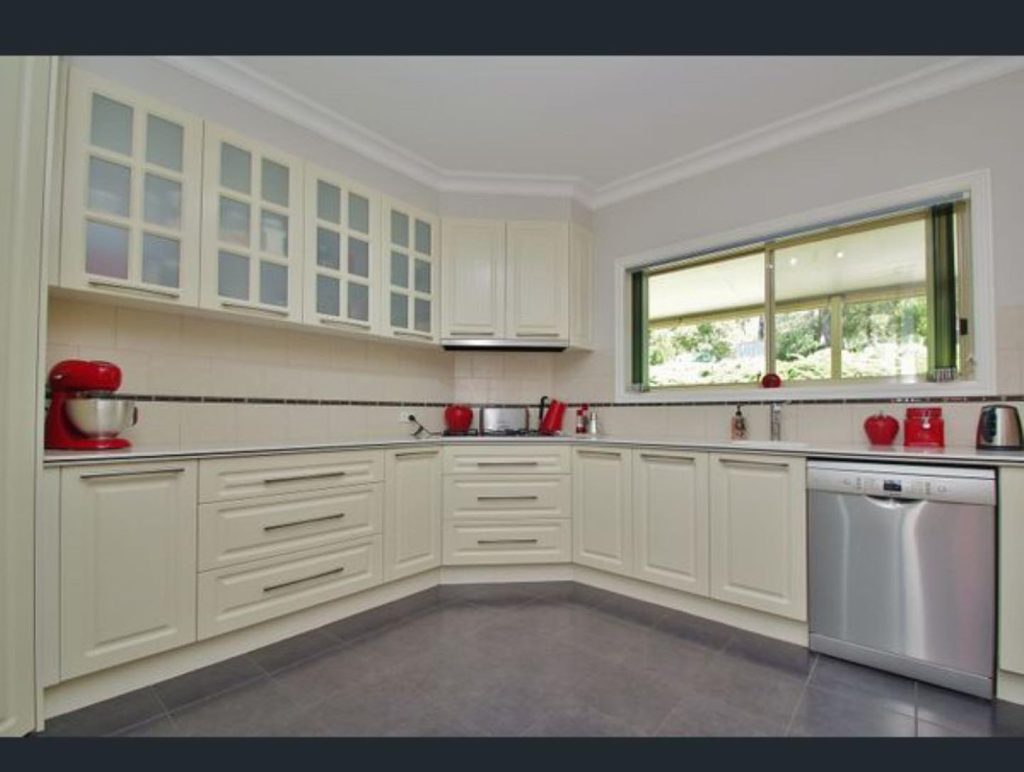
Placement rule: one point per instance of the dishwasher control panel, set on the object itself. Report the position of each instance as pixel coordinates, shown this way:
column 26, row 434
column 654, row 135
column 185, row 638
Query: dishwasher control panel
column 966, row 486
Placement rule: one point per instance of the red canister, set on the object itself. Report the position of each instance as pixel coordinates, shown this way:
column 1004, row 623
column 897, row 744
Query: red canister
column 923, row 428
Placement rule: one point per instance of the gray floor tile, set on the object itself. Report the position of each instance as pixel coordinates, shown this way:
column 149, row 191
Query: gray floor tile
column 633, row 610
column 108, row 716
column 778, row 655
column 161, row 726
column 312, row 681
column 249, row 710
column 970, row 715
column 667, row 656
column 637, row 699
column 830, row 714
column 577, row 721
column 603, row 634
column 376, row 619
column 207, row 681
column 700, row 715
column 928, row 729
column 290, row 651
column 769, row 691
column 551, row 590
column 888, row 691
column 704, row 632
column 496, row 593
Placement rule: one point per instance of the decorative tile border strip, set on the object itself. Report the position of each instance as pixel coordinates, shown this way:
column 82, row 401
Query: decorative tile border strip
column 414, row 403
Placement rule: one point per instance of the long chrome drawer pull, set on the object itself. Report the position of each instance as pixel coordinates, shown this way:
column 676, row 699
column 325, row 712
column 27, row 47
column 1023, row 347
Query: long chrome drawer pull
column 738, row 462
column 167, row 292
column 301, row 477
column 257, row 309
column 279, row 526
column 506, row 541
column 136, row 473
column 481, row 333
column 538, row 335
column 666, row 457
column 589, row 452
column 508, row 463
column 507, row 498
column 345, row 323
column 300, row 581
column 430, row 452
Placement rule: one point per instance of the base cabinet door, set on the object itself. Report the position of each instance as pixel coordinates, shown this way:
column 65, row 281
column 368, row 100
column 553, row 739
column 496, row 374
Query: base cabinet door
column 1011, row 570
column 758, row 533
column 128, row 563
column 670, row 519
column 602, row 525
column 412, row 511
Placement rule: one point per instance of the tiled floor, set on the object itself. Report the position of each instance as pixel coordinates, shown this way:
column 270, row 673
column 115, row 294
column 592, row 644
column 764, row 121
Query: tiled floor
column 554, row 659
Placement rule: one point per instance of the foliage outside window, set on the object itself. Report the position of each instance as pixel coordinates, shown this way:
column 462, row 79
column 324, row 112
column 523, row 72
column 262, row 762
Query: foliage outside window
column 874, row 300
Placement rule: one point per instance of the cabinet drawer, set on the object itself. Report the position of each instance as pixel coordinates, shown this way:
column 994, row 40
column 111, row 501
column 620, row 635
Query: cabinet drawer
column 233, row 532
column 534, row 541
column 507, row 496
column 230, row 598
column 527, row 458
column 223, row 479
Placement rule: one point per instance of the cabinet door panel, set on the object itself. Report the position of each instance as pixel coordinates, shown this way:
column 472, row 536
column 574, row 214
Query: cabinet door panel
column 474, row 277
column 252, row 245
column 412, row 512
column 602, row 521
column 506, row 543
column 581, row 256
column 670, row 509
column 1011, row 570
column 128, row 562
column 758, row 533
column 537, row 280
column 130, row 223
column 409, row 288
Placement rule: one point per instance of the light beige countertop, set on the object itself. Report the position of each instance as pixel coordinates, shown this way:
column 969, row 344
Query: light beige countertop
column 964, row 455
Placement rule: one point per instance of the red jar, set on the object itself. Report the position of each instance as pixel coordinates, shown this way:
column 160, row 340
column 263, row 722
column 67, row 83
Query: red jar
column 923, row 428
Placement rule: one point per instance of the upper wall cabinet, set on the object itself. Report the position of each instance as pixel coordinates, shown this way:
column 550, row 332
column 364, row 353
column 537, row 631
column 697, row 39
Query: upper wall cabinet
column 474, row 278
column 537, row 280
column 130, row 221
column 252, row 228
column 410, row 286
column 581, row 257
column 342, row 261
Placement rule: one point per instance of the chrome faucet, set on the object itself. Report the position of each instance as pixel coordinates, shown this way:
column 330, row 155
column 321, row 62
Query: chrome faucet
column 776, row 420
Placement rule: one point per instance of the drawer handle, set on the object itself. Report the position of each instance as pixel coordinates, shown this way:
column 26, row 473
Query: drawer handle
column 665, row 457
column 135, row 473
column 404, row 454
column 538, row 335
column 589, row 452
column 508, row 463
column 294, row 582
column 301, row 477
column 507, row 498
column 297, row 523
column 253, row 307
column 167, row 292
column 506, row 541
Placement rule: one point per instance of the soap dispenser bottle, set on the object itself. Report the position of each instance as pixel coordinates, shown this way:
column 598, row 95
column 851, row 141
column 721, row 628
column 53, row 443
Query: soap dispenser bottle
column 738, row 425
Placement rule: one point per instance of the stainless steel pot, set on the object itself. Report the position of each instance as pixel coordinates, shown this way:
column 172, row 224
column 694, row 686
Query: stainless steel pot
column 101, row 417
column 999, row 428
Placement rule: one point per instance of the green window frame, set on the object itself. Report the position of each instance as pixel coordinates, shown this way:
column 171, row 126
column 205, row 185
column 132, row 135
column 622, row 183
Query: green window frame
column 945, row 291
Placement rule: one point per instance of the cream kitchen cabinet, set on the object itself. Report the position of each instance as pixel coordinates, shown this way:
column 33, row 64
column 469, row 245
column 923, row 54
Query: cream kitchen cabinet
column 537, row 281
column 473, row 296
column 131, row 194
column 1011, row 569
column 758, row 532
column 412, row 511
column 581, row 258
column 127, row 562
column 342, row 256
column 410, row 286
column 670, row 518
column 252, row 247
column 602, row 523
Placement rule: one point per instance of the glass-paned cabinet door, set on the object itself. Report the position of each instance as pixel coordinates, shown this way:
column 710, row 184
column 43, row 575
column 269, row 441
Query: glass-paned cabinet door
column 342, row 271
column 252, row 227
column 410, row 262
column 132, row 174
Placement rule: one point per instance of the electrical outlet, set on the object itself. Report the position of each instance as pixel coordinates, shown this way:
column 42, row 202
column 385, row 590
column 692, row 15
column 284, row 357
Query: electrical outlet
column 404, row 417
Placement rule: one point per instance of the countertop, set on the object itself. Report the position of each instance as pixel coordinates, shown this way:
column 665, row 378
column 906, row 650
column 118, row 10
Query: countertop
column 964, row 455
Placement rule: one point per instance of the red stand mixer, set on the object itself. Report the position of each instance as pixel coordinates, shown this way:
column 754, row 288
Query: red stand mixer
column 83, row 415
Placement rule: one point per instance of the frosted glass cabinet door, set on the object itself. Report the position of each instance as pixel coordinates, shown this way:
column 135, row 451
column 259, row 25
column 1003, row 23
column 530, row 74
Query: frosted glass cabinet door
column 132, row 168
column 411, row 283
column 252, row 235
column 341, row 269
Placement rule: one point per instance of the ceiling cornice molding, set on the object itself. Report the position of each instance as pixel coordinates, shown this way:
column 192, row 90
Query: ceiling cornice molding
column 946, row 76
column 941, row 78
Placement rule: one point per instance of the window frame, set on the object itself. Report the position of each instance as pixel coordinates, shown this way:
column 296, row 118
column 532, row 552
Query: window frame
column 979, row 305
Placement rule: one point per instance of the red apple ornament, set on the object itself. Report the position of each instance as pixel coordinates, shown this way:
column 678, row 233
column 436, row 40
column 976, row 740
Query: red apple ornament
column 881, row 428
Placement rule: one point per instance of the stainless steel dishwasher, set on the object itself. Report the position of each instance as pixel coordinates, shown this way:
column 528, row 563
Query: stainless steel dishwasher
column 902, row 569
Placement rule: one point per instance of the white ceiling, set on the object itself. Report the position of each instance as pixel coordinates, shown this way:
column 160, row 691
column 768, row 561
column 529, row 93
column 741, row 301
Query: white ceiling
column 597, row 118
column 598, row 128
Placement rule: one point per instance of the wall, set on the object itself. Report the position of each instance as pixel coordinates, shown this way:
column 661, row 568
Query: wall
column 963, row 131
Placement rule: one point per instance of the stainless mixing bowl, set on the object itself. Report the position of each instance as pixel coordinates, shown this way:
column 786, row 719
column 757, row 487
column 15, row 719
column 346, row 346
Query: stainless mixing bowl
column 101, row 418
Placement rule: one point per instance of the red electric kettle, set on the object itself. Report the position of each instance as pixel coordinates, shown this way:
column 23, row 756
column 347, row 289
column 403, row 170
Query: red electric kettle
column 551, row 418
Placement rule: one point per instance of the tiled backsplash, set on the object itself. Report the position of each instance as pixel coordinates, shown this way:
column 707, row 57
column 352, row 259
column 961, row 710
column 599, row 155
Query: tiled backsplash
column 178, row 356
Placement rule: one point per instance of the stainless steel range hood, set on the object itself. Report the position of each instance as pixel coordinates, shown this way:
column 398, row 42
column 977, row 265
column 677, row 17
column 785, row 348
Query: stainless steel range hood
column 485, row 343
